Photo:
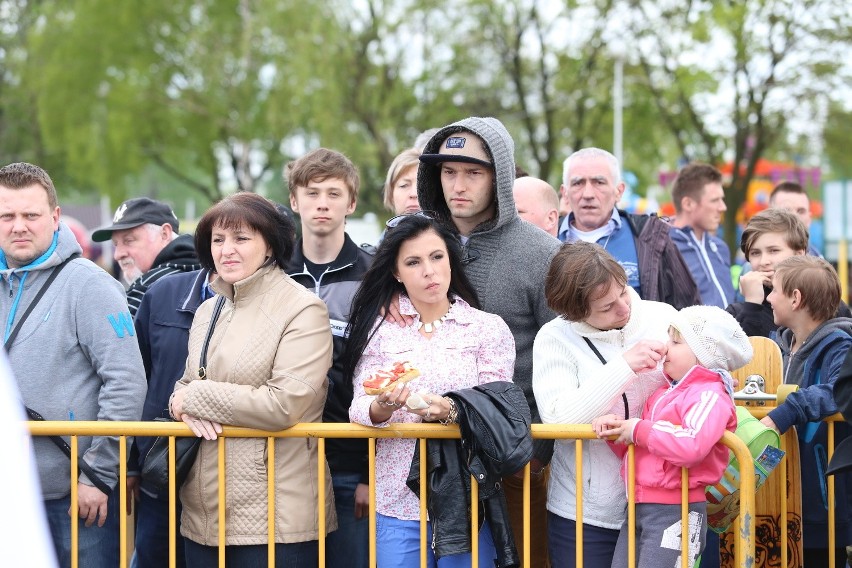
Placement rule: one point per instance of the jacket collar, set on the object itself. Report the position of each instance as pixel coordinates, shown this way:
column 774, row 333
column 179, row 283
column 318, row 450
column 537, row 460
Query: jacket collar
column 245, row 287
column 347, row 256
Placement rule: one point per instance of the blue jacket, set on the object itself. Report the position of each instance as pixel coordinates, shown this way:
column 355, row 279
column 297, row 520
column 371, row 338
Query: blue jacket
column 162, row 327
column 815, row 367
column 709, row 263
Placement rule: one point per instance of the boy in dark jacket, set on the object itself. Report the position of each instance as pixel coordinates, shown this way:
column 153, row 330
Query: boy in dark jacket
column 323, row 188
column 804, row 298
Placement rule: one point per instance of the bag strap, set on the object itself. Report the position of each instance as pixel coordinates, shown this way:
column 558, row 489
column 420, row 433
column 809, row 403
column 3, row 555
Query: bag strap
column 217, row 310
column 66, row 449
column 602, row 360
column 38, row 296
column 33, row 415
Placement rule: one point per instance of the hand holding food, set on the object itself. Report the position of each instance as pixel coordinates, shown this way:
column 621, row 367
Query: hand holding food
column 386, row 381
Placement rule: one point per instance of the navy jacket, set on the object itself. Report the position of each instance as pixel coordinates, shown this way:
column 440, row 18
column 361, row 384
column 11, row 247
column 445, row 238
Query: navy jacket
column 816, row 367
column 709, row 263
column 162, row 327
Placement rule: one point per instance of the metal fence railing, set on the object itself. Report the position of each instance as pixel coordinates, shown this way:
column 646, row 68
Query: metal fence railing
column 745, row 531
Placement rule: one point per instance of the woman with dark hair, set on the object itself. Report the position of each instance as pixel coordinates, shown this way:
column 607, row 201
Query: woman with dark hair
column 265, row 368
column 453, row 344
column 600, row 356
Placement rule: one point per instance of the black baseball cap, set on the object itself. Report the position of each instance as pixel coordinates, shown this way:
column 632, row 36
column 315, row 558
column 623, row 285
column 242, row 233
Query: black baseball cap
column 135, row 212
column 460, row 147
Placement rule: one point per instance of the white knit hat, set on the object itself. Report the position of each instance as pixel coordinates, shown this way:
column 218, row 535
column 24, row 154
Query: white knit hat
column 714, row 336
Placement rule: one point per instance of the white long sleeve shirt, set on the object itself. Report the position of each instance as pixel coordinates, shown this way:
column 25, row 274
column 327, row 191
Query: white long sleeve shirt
column 572, row 386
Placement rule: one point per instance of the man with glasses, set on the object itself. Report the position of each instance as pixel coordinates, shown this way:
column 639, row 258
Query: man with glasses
column 465, row 180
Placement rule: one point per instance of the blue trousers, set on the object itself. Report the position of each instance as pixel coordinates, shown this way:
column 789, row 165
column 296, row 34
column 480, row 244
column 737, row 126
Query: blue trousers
column 294, row 555
column 152, row 534
column 349, row 545
column 598, row 543
column 97, row 547
column 398, row 546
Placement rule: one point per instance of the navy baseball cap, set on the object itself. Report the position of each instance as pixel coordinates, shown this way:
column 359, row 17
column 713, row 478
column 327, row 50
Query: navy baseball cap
column 135, row 212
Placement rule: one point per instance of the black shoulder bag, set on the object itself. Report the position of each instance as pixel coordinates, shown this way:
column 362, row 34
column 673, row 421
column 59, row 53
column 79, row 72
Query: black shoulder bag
column 602, row 360
column 155, row 468
column 32, row 414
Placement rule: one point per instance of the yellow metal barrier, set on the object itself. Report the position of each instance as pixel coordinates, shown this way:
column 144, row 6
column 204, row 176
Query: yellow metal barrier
column 424, row 432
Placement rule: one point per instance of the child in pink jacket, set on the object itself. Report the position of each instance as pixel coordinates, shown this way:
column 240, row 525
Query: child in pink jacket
column 681, row 426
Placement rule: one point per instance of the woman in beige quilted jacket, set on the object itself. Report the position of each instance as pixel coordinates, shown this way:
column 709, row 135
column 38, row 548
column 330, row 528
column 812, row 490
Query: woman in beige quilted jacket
column 266, row 368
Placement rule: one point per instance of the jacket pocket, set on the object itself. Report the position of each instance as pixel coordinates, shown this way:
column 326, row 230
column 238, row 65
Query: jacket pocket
column 260, row 454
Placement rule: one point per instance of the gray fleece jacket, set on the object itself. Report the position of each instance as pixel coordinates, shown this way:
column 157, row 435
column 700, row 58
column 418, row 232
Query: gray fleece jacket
column 76, row 356
column 510, row 256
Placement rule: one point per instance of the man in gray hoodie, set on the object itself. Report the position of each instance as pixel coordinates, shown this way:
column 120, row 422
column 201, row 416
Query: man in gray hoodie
column 465, row 178
column 75, row 357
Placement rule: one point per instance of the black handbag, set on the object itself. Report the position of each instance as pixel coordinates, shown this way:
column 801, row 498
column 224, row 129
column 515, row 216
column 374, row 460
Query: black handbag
column 155, row 469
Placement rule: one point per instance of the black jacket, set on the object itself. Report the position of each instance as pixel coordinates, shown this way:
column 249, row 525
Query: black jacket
column 177, row 256
column 663, row 274
column 496, row 442
column 336, row 287
column 841, row 462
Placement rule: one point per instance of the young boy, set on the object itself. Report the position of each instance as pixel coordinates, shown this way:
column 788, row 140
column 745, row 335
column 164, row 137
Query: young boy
column 770, row 237
column 681, row 425
column 814, row 344
column 323, row 188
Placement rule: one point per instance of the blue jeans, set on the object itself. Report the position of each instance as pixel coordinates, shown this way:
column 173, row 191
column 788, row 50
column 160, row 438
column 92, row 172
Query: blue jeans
column 293, row 555
column 349, row 545
column 598, row 543
column 398, row 545
column 97, row 547
column 152, row 534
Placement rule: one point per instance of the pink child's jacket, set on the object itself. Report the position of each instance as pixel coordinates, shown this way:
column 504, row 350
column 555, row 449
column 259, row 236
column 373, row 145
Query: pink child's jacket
column 680, row 427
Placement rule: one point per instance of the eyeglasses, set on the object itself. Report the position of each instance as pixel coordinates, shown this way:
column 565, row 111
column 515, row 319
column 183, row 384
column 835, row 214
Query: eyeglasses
column 394, row 221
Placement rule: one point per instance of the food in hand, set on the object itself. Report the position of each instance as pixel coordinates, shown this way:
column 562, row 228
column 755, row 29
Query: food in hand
column 416, row 402
column 387, row 380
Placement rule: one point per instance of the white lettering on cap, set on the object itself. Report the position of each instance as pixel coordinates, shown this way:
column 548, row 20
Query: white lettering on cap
column 455, row 142
column 119, row 213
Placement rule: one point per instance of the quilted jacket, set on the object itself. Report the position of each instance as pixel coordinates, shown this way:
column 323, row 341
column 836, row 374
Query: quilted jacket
column 266, row 365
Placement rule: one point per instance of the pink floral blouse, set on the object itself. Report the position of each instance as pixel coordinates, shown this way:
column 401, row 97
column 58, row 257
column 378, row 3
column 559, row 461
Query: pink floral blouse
column 471, row 348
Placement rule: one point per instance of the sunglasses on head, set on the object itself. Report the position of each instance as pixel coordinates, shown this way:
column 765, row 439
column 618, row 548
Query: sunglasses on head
column 394, row 221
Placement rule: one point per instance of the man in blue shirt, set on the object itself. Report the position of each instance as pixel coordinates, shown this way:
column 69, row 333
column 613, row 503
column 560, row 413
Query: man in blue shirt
column 699, row 201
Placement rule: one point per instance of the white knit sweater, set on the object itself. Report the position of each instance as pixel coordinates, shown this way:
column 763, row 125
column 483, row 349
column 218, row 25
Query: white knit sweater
column 572, row 386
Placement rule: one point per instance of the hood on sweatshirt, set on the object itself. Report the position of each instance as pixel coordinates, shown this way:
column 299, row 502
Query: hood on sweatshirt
column 794, row 365
column 501, row 150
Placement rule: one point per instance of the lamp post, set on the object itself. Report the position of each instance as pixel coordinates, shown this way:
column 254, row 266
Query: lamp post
column 618, row 105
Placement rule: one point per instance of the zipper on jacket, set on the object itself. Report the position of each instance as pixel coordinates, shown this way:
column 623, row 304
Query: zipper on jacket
column 318, row 282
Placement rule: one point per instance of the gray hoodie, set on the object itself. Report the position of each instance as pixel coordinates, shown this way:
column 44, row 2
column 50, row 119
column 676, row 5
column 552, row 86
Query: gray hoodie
column 76, row 356
column 511, row 256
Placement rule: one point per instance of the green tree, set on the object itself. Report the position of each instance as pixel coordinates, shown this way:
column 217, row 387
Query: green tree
column 727, row 76
column 194, row 87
